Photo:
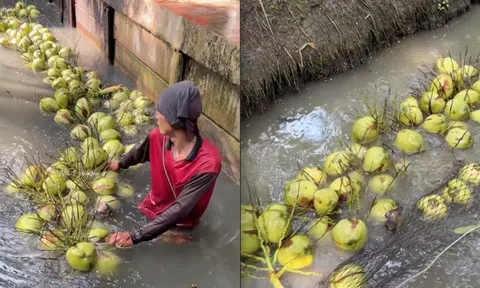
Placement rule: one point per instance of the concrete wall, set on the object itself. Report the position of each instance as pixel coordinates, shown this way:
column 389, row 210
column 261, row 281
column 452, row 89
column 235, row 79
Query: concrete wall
column 156, row 47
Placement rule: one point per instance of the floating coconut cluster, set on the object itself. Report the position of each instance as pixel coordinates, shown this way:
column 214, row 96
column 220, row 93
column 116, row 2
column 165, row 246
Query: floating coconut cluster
column 70, row 193
column 442, row 107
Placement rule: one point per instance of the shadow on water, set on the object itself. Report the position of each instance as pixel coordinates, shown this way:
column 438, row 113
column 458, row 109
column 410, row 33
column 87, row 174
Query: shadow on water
column 211, row 259
column 306, row 127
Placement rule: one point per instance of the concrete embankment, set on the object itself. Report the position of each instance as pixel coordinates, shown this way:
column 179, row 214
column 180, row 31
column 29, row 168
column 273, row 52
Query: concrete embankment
column 287, row 43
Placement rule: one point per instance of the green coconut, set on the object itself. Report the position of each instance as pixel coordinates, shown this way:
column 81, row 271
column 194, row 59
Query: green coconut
column 80, row 132
column 356, row 177
column 83, row 109
column 410, row 116
column 350, row 234
column 296, row 252
column 125, row 190
column 46, row 212
column 65, row 52
column 459, row 138
column 39, row 65
column 107, row 122
column 457, row 192
column 82, row 256
column 140, row 111
column 470, row 96
column 59, row 168
column 433, row 207
column 93, row 85
column 345, row 188
column 90, row 143
column 432, row 103
column 113, row 148
column 77, row 197
column 70, row 156
column 131, row 130
column 33, row 176
column 272, row 224
column 250, row 241
column 443, row 85
column 110, row 202
column 318, row 227
column 325, row 201
column 11, row 188
column 377, row 159
column 365, row 130
column 63, row 117
column 48, row 105
column 457, row 124
column 409, row 102
column 409, row 141
column 349, row 276
column 63, row 99
column 141, row 119
column 381, row 208
column 381, row 184
column 107, row 264
column 248, row 215
column 142, row 102
column 470, row 173
column 97, row 234
column 314, row 174
column 299, row 192
column 457, row 109
column 51, row 240
column 446, row 65
column 109, row 134
column 73, row 215
column 475, row 116
column 110, row 175
column 95, row 118
column 357, row 150
column 336, row 163
column 95, row 159
column 467, row 71
column 125, row 119
column 435, row 124
column 29, row 223
column 135, row 94
column 104, row 186
column 476, row 86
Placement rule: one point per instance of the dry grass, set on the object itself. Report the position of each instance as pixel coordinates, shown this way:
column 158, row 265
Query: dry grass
column 286, row 43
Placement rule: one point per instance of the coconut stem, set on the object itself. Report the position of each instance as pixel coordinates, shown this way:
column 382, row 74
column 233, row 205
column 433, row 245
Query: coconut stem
column 260, row 259
column 275, row 281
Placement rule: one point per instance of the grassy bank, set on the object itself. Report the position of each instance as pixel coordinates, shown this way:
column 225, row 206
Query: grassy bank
column 288, row 42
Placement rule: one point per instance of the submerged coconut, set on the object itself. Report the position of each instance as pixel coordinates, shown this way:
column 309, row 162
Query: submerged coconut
column 29, row 223
column 381, row 208
column 410, row 116
column 250, row 241
column 470, row 173
column 72, row 215
column 113, row 148
column 357, row 150
column 97, row 234
column 469, row 96
column 107, row 263
column 104, row 186
column 409, row 102
column 77, row 197
column 457, row 124
column 46, row 212
column 457, row 109
column 458, row 138
column 299, row 192
column 90, row 143
column 95, row 118
column 106, row 122
column 63, row 117
column 95, row 159
column 435, row 123
column 82, row 256
column 381, row 184
column 432, row 103
column 107, row 204
column 271, row 225
column 33, row 176
column 296, row 252
column 336, row 163
column 350, row 234
column 318, row 227
column 409, row 141
column 377, row 159
column 345, row 188
column 446, row 65
column 314, row 174
column 457, row 192
column 475, row 116
column 109, row 134
column 48, row 105
column 433, row 207
column 80, row 132
column 51, row 240
column 365, row 130
column 125, row 190
column 349, row 276
column 248, row 215
column 325, row 201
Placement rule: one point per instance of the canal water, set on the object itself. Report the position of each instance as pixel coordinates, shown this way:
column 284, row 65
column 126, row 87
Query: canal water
column 308, row 125
column 210, row 259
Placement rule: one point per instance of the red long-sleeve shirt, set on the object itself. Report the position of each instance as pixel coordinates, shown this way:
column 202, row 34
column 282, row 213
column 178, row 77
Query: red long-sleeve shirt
column 192, row 179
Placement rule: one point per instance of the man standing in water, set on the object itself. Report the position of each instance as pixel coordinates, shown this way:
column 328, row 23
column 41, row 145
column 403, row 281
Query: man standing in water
column 184, row 167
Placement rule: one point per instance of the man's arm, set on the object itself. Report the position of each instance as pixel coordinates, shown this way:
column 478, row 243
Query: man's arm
column 192, row 192
column 135, row 156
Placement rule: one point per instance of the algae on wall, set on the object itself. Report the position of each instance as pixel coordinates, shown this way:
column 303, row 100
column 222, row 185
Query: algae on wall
column 288, row 42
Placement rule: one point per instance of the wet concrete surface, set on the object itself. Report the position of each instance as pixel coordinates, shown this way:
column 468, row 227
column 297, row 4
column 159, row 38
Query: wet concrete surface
column 219, row 16
column 211, row 259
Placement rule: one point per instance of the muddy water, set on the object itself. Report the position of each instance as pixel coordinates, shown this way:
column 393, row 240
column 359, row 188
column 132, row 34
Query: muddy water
column 306, row 127
column 209, row 260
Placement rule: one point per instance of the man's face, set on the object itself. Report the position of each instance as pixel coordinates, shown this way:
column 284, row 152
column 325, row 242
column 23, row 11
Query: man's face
column 163, row 125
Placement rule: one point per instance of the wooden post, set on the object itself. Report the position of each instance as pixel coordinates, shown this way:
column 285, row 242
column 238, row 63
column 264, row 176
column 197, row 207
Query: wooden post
column 73, row 14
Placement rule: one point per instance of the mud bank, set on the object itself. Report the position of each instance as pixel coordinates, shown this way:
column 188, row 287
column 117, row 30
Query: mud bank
column 287, row 43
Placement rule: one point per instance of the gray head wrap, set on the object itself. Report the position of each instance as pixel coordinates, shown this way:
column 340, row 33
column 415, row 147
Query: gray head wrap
column 181, row 105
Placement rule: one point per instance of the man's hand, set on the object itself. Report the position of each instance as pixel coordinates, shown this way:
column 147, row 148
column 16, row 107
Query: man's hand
column 120, row 239
column 113, row 166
